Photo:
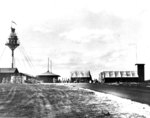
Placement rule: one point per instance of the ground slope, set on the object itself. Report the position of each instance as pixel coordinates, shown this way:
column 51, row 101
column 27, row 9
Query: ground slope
column 58, row 101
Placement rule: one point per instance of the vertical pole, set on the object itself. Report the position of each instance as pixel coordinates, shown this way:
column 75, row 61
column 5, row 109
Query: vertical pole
column 48, row 64
column 51, row 66
column 12, row 58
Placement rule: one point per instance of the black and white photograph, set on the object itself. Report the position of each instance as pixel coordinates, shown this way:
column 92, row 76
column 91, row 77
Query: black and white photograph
column 74, row 59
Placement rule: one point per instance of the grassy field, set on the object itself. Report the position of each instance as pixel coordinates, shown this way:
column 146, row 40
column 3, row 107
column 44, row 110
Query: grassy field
column 55, row 101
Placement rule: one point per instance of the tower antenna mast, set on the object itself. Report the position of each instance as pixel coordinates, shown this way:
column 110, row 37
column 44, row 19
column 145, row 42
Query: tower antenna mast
column 48, row 65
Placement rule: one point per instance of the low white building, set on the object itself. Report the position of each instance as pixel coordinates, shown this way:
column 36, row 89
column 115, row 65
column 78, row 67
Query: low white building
column 118, row 76
column 81, row 76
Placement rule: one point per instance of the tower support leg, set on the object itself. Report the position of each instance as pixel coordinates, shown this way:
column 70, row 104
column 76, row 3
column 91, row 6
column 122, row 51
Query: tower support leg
column 12, row 58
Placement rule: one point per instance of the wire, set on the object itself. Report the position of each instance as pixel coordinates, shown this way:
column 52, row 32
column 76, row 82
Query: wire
column 2, row 53
column 26, row 56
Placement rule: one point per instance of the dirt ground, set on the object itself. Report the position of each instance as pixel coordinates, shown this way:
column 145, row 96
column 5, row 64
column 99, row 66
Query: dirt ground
column 56, row 101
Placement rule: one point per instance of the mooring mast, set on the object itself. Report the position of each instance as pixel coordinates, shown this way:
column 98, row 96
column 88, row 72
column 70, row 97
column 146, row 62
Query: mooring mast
column 12, row 43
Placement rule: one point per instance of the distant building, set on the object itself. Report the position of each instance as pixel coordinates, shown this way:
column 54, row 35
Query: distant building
column 118, row 76
column 27, row 78
column 123, row 76
column 7, row 73
column 12, row 75
column 81, row 76
column 48, row 77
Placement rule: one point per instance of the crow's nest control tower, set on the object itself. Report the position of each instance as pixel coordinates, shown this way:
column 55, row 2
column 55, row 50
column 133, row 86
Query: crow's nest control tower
column 13, row 42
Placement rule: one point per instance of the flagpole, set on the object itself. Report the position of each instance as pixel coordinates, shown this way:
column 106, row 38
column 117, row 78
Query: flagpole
column 13, row 23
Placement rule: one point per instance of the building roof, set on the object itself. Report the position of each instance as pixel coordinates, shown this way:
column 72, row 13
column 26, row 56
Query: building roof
column 25, row 74
column 50, row 74
column 9, row 70
column 83, row 74
column 139, row 64
column 111, row 74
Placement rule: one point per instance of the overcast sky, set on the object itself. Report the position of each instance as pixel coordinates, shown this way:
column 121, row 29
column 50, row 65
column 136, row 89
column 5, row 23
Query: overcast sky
column 95, row 35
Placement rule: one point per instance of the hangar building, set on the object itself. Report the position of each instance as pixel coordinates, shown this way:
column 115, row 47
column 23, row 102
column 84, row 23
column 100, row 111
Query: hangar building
column 123, row 76
column 81, row 76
